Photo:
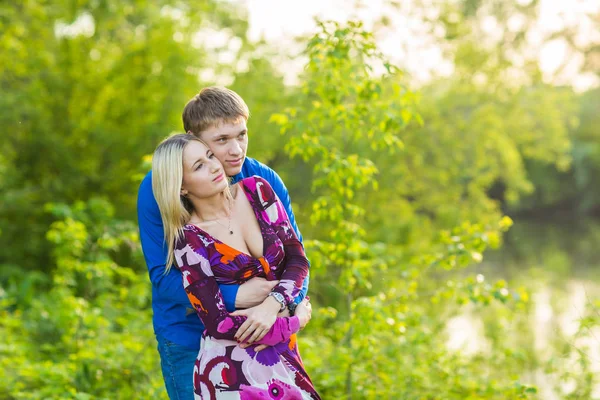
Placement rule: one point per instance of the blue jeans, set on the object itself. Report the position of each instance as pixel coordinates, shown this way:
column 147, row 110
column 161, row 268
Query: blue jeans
column 177, row 363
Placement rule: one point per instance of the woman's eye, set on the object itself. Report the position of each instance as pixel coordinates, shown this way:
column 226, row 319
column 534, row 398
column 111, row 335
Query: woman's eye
column 199, row 166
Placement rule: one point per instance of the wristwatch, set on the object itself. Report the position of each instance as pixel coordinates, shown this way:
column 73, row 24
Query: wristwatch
column 280, row 299
column 292, row 308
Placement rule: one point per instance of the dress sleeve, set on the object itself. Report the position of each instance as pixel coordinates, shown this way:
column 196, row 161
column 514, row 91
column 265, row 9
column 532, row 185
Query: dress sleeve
column 295, row 263
column 203, row 292
column 282, row 193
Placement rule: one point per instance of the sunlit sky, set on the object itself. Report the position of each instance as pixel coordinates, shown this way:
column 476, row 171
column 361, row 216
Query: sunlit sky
column 408, row 45
column 405, row 41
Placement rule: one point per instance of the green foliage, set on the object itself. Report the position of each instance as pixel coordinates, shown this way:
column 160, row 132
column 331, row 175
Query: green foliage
column 91, row 328
column 87, row 90
column 399, row 195
column 576, row 188
column 388, row 331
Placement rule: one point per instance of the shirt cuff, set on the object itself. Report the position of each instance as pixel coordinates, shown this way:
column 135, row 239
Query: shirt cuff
column 299, row 298
column 229, row 293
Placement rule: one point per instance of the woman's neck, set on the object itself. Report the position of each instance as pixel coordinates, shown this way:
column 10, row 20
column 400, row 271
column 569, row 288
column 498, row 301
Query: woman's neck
column 210, row 208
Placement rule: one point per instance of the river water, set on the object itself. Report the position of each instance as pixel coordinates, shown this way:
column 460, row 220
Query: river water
column 559, row 263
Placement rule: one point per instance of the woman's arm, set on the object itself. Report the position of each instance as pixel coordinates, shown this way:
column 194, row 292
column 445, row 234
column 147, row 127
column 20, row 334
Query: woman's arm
column 282, row 193
column 295, row 264
column 205, row 296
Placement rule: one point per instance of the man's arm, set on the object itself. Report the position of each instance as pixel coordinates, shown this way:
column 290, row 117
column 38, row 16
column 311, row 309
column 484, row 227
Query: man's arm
column 169, row 286
column 279, row 188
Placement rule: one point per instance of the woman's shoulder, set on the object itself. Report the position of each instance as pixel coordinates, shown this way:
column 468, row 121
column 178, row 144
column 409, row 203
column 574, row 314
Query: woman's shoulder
column 253, row 179
column 255, row 183
column 194, row 237
column 261, row 196
column 191, row 254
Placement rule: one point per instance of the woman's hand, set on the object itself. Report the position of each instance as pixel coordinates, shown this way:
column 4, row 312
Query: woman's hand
column 304, row 312
column 259, row 321
column 283, row 314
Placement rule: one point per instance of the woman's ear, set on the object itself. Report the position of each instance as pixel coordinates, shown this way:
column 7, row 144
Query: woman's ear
column 183, row 192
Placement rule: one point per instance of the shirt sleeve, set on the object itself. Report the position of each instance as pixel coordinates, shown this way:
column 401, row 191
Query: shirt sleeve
column 151, row 229
column 295, row 262
column 282, row 193
column 280, row 189
column 206, row 297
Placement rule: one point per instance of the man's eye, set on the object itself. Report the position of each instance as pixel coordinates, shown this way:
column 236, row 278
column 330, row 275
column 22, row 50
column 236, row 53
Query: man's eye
column 243, row 134
column 211, row 155
column 222, row 140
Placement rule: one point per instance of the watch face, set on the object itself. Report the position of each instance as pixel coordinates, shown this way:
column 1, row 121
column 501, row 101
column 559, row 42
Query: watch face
column 279, row 297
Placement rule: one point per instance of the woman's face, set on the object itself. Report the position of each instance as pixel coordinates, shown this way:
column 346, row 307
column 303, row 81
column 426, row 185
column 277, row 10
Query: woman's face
column 203, row 174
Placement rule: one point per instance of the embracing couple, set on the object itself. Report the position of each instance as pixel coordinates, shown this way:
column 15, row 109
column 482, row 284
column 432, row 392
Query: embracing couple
column 221, row 243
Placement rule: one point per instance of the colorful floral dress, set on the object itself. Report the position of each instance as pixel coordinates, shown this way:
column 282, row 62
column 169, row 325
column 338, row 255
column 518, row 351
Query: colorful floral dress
column 224, row 370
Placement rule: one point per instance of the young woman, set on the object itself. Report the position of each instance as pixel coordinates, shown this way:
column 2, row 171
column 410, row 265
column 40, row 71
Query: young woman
column 227, row 235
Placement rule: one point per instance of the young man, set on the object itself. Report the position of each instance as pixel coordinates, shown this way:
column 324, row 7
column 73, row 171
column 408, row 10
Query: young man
column 218, row 116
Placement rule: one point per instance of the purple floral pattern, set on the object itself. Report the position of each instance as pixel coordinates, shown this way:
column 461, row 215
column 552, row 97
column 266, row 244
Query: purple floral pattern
column 224, row 370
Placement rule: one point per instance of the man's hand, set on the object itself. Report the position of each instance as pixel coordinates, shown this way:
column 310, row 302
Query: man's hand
column 304, row 312
column 254, row 292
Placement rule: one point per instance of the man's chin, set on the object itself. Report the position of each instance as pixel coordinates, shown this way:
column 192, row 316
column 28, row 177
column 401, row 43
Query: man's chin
column 233, row 171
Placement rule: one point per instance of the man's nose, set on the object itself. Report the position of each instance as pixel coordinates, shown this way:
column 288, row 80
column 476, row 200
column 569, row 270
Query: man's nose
column 235, row 148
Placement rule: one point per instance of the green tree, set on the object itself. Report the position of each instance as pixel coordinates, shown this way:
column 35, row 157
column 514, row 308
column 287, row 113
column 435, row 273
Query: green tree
column 87, row 90
column 90, row 335
column 379, row 334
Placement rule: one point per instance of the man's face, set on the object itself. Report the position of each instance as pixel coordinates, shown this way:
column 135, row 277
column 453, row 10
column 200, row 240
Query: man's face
column 229, row 143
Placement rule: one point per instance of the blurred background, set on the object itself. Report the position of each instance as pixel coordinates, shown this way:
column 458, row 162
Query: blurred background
column 443, row 159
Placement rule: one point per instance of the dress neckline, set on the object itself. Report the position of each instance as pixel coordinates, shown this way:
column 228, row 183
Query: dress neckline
column 203, row 232
column 256, row 215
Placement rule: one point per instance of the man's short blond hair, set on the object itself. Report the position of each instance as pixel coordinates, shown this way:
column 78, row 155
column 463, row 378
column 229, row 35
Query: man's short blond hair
column 212, row 107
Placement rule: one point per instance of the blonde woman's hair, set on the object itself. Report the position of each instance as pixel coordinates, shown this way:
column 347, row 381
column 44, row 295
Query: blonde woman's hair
column 212, row 107
column 167, row 178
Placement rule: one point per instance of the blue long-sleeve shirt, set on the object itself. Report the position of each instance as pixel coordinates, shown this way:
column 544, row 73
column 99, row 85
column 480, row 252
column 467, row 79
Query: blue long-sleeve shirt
column 173, row 317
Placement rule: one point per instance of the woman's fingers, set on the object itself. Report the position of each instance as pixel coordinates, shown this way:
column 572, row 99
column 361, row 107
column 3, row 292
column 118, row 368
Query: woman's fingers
column 257, row 335
column 262, row 334
column 242, row 329
column 246, row 334
column 260, row 347
column 257, row 348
